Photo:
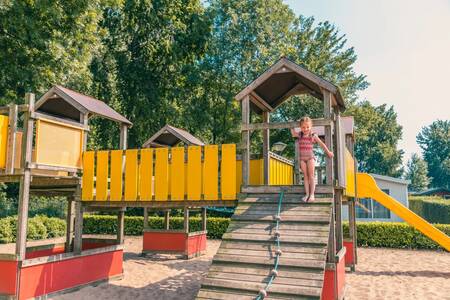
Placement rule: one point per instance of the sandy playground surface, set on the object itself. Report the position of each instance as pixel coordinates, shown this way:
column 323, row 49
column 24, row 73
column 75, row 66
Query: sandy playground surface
column 381, row 274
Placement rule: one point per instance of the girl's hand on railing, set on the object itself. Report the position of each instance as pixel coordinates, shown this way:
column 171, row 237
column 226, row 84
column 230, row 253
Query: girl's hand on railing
column 330, row 154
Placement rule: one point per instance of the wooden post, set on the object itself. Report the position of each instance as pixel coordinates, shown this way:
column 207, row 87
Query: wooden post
column 352, row 228
column 145, row 217
column 186, row 220
column 245, row 141
column 296, row 164
column 25, row 179
column 204, row 219
column 78, row 236
column 328, row 135
column 121, row 226
column 69, row 223
column 340, row 150
column 338, row 211
column 123, row 137
column 11, row 151
column 266, row 148
column 167, row 219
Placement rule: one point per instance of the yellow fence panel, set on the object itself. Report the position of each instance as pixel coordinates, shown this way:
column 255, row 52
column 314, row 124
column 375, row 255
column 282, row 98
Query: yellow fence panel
column 349, row 173
column 58, row 144
column 194, row 173
column 131, row 174
column 116, row 175
column 211, row 172
column 177, row 174
column 228, row 172
column 101, row 183
column 88, row 176
column 146, row 175
column 4, row 121
column 162, row 174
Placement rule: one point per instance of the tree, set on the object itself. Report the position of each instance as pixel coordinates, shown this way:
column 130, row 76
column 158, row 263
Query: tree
column 435, row 143
column 377, row 136
column 46, row 42
column 416, row 172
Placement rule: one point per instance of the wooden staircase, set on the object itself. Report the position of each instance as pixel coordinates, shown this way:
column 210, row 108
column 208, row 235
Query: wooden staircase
column 246, row 255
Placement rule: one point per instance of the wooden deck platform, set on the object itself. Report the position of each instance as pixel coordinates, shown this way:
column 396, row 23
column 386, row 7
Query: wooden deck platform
column 243, row 262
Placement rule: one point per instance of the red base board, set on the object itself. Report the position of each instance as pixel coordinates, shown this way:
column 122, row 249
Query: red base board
column 334, row 289
column 8, row 274
column 349, row 257
column 192, row 244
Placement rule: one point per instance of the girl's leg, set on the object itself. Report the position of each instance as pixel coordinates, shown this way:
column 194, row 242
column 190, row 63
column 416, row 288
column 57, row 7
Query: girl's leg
column 304, row 168
column 312, row 185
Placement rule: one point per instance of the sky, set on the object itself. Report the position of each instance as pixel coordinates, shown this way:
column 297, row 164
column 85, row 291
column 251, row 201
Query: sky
column 404, row 49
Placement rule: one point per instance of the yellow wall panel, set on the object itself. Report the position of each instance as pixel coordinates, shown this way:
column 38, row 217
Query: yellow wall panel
column 146, row 175
column 228, row 172
column 131, row 174
column 88, row 176
column 58, row 144
column 177, row 173
column 349, row 173
column 101, row 183
column 116, row 175
column 4, row 120
column 161, row 174
column 211, row 173
column 194, row 173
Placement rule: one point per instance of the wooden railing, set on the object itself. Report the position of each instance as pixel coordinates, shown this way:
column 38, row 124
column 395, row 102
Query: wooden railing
column 161, row 174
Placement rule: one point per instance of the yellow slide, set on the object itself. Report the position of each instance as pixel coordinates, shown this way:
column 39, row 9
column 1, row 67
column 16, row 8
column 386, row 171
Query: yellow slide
column 367, row 188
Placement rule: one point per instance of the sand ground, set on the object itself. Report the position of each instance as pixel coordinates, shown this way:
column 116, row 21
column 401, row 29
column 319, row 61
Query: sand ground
column 381, row 274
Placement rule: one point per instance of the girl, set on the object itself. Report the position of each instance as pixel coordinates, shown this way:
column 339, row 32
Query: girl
column 306, row 139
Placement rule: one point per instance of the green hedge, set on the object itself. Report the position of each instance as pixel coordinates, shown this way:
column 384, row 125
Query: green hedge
column 95, row 224
column 370, row 234
column 394, row 235
column 432, row 209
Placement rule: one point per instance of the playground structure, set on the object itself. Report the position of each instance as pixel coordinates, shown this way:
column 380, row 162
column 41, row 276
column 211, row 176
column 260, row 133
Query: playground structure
column 313, row 256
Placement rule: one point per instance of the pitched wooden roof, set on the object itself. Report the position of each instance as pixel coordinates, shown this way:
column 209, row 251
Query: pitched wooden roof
column 64, row 102
column 284, row 79
column 169, row 136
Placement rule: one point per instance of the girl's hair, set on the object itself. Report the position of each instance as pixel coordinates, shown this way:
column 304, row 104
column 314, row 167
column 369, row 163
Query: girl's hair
column 305, row 119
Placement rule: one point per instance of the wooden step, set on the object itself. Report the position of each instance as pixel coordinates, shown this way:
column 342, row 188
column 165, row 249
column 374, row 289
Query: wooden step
column 271, row 232
column 269, row 252
column 260, row 246
column 281, row 226
column 270, row 238
column 270, row 260
column 269, row 200
column 286, row 272
column 289, row 218
column 288, row 189
column 221, row 294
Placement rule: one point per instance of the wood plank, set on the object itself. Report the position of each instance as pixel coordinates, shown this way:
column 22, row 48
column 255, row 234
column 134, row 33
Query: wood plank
column 282, row 125
column 265, row 278
column 284, row 208
column 293, row 189
column 265, row 253
column 293, row 201
column 282, row 226
column 131, row 175
column 116, row 175
column 313, row 249
column 261, row 218
column 284, row 233
column 146, row 175
column 228, row 172
column 161, row 174
column 194, row 173
column 267, row 238
column 245, row 137
column 250, row 286
column 285, row 272
column 101, row 175
column 211, row 172
column 177, row 174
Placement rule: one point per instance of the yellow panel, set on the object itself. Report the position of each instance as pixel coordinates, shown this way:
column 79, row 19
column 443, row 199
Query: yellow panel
column 177, row 173
column 58, row 144
column 194, row 173
column 211, row 173
column 88, row 176
column 162, row 174
column 349, row 173
column 4, row 120
column 146, row 175
column 116, row 176
column 228, row 172
column 101, row 181
column 131, row 175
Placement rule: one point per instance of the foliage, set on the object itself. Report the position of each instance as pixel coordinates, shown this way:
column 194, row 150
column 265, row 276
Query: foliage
column 432, row 209
column 416, row 172
column 435, row 143
column 394, row 235
column 39, row 227
column 46, row 42
column 377, row 135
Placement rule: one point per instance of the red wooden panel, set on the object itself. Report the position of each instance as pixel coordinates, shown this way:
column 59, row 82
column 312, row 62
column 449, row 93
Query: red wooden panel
column 164, row 241
column 196, row 244
column 45, row 252
column 8, row 274
column 56, row 276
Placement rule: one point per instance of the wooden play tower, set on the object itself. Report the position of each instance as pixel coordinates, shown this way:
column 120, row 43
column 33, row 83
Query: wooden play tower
column 312, row 265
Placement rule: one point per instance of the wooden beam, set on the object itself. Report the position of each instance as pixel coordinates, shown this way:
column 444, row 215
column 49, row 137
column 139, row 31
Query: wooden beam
column 245, row 141
column 328, row 135
column 260, row 102
column 12, row 129
column 123, row 137
column 283, row 125
column 20, row 108
column 204, row 219
column 78, row 234
column 167, row 219
column 186, row 220
column 159, row 204
column 266, row 148
column 145, row 217
column 25, row 180
column 70, row 223
column 46, row 117
column 121, row 226
column 52, row 168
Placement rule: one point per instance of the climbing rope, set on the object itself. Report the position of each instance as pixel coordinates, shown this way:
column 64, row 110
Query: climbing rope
column 274, row 272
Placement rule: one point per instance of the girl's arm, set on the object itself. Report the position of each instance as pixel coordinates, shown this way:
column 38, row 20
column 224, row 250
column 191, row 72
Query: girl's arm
column 322, row 144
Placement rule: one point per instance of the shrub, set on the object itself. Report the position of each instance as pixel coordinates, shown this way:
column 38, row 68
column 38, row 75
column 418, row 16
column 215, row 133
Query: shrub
column 432, row 209
column 36, row 229
column 394, row 235
column 6, row 230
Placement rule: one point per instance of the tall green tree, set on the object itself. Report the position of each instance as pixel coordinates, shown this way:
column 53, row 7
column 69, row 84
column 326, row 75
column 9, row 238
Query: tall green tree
column 146, row 47
column 417, row 173
column 377, row 136
column 46, row 42
column 435, row 143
